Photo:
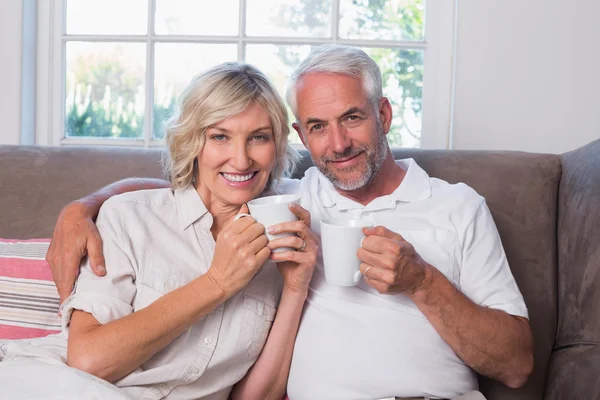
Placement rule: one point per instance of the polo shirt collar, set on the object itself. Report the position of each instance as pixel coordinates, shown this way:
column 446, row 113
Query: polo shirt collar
column 190, row 206
column 414, row 187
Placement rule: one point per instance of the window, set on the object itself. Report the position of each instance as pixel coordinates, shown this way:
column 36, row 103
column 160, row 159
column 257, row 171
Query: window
column 113, row 69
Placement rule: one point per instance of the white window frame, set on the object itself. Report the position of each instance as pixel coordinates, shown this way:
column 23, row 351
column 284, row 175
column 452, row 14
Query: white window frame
column 438, row 86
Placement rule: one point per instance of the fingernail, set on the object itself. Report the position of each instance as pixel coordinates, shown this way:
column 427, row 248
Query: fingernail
column 270, row 229
column 292, row 205
column 101, row 269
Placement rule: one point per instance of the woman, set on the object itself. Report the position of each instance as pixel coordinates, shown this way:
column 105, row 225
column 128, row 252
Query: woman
column 190, row 293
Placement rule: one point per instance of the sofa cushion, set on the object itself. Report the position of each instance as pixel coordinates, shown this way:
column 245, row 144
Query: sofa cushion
column 28, row 298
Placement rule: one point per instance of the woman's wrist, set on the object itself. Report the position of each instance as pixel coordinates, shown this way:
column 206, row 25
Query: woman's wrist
column 299, row 294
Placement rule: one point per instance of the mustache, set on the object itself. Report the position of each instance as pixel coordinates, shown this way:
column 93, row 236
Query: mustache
column 347, row 153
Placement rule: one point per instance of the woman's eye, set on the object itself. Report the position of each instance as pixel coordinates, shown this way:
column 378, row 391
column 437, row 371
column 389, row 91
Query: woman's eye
column 260, row 138
column 218, row 138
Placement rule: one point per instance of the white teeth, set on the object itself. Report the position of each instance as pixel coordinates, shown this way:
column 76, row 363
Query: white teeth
column 237, row 178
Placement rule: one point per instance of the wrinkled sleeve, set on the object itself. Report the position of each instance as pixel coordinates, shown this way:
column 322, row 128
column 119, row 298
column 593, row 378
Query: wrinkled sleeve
column 485, row 275
column 109, row 297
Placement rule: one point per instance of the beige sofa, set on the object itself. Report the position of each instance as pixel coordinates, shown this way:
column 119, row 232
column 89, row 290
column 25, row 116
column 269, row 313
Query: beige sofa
column 547, row 208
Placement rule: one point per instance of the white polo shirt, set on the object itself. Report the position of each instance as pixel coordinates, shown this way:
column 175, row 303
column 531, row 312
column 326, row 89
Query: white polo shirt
column 354, row 343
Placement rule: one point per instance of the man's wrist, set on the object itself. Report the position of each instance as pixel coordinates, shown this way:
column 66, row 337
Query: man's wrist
column 427, row 284
column 86, row 207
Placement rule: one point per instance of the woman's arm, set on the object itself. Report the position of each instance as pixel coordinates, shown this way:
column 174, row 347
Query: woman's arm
column 113, row 350
column 127, row 339
column 267, row 379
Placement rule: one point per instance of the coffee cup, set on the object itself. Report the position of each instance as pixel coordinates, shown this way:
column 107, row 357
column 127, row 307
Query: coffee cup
column 271, row 210
column 340, row 240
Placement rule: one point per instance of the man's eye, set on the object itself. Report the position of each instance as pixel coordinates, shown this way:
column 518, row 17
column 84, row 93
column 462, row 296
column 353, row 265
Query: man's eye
column 353, row 118
column 316, row 127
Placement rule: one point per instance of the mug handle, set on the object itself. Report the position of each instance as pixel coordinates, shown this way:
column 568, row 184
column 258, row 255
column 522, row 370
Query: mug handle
column 241, row 215
column 357, row 277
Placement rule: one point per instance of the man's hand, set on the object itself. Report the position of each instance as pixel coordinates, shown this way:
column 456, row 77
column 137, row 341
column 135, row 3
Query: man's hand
column 75, row 236
column 393, row 264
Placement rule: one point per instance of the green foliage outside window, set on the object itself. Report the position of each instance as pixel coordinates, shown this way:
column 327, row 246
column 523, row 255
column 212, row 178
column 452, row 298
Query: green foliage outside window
column 105, row 99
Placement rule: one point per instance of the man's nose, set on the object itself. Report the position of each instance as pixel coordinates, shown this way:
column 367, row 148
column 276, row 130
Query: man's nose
column 338, row 139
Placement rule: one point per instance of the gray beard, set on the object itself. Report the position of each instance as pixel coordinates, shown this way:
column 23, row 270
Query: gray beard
column 375, row 159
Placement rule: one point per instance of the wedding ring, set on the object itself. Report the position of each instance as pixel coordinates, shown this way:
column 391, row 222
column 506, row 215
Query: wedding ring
column 367, row 270
column 303, row 246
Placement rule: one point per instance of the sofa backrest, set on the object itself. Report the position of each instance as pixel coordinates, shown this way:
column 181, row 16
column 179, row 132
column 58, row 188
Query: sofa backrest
column 521, row 190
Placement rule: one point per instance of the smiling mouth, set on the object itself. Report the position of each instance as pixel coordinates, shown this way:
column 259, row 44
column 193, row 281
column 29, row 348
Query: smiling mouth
column 339, row 161
column 239, row 177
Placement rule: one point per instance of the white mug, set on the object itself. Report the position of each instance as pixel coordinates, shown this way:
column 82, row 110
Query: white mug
column 340, row 240
column 271, row 210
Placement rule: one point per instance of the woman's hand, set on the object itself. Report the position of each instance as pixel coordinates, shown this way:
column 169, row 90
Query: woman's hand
column 296, row 266
column 239, row 254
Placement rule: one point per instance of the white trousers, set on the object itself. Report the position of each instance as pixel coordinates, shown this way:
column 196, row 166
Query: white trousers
column 28, row 379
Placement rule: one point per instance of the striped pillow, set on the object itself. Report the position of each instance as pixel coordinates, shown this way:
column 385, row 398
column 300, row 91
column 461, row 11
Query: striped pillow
column 28, row 298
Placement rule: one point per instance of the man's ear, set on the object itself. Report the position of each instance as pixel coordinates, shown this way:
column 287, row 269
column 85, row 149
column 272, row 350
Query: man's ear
column 298, row 130
column 385, row 114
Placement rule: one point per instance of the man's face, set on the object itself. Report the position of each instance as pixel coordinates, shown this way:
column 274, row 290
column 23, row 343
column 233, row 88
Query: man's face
column 343, row 131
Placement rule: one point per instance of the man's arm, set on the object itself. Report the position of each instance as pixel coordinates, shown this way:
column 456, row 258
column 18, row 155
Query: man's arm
column 492, row 342
column 75, row 234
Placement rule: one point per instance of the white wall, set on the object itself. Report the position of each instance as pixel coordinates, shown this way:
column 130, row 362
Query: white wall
column 10, row 71
column 527, row 75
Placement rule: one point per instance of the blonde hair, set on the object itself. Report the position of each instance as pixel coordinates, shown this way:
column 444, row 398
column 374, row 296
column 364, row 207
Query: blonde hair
column 217, row 94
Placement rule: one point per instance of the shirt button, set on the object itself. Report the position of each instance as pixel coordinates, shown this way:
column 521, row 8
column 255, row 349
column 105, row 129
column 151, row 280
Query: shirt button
column 207, row 340
column 195, row 370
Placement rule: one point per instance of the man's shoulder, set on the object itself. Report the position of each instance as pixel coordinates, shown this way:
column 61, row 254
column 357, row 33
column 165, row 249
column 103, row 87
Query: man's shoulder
column 458, row 197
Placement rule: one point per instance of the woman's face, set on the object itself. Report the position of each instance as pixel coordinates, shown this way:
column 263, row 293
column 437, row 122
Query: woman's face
column 237, row 158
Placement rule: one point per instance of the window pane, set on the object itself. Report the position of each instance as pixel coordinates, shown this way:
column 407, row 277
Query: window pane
column 277, row 62
column 108, row 17
column 402, row 73
column 193, row 17
column 175, row 65
column 386, row 20
column 306, row 18
column 105, row 89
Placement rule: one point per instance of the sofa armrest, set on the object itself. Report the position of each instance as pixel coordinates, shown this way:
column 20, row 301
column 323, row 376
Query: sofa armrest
column 574, row 373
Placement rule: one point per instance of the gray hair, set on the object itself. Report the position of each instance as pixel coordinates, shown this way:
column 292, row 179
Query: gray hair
column 338, row 59
column 217, row 94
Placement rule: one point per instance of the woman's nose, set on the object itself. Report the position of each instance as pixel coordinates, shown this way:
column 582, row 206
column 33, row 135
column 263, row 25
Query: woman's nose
column 241, row 159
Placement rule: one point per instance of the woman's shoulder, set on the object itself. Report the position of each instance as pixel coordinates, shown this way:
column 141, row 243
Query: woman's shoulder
column 130, row 204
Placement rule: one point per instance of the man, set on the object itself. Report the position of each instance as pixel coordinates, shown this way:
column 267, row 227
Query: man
column 438, row 300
